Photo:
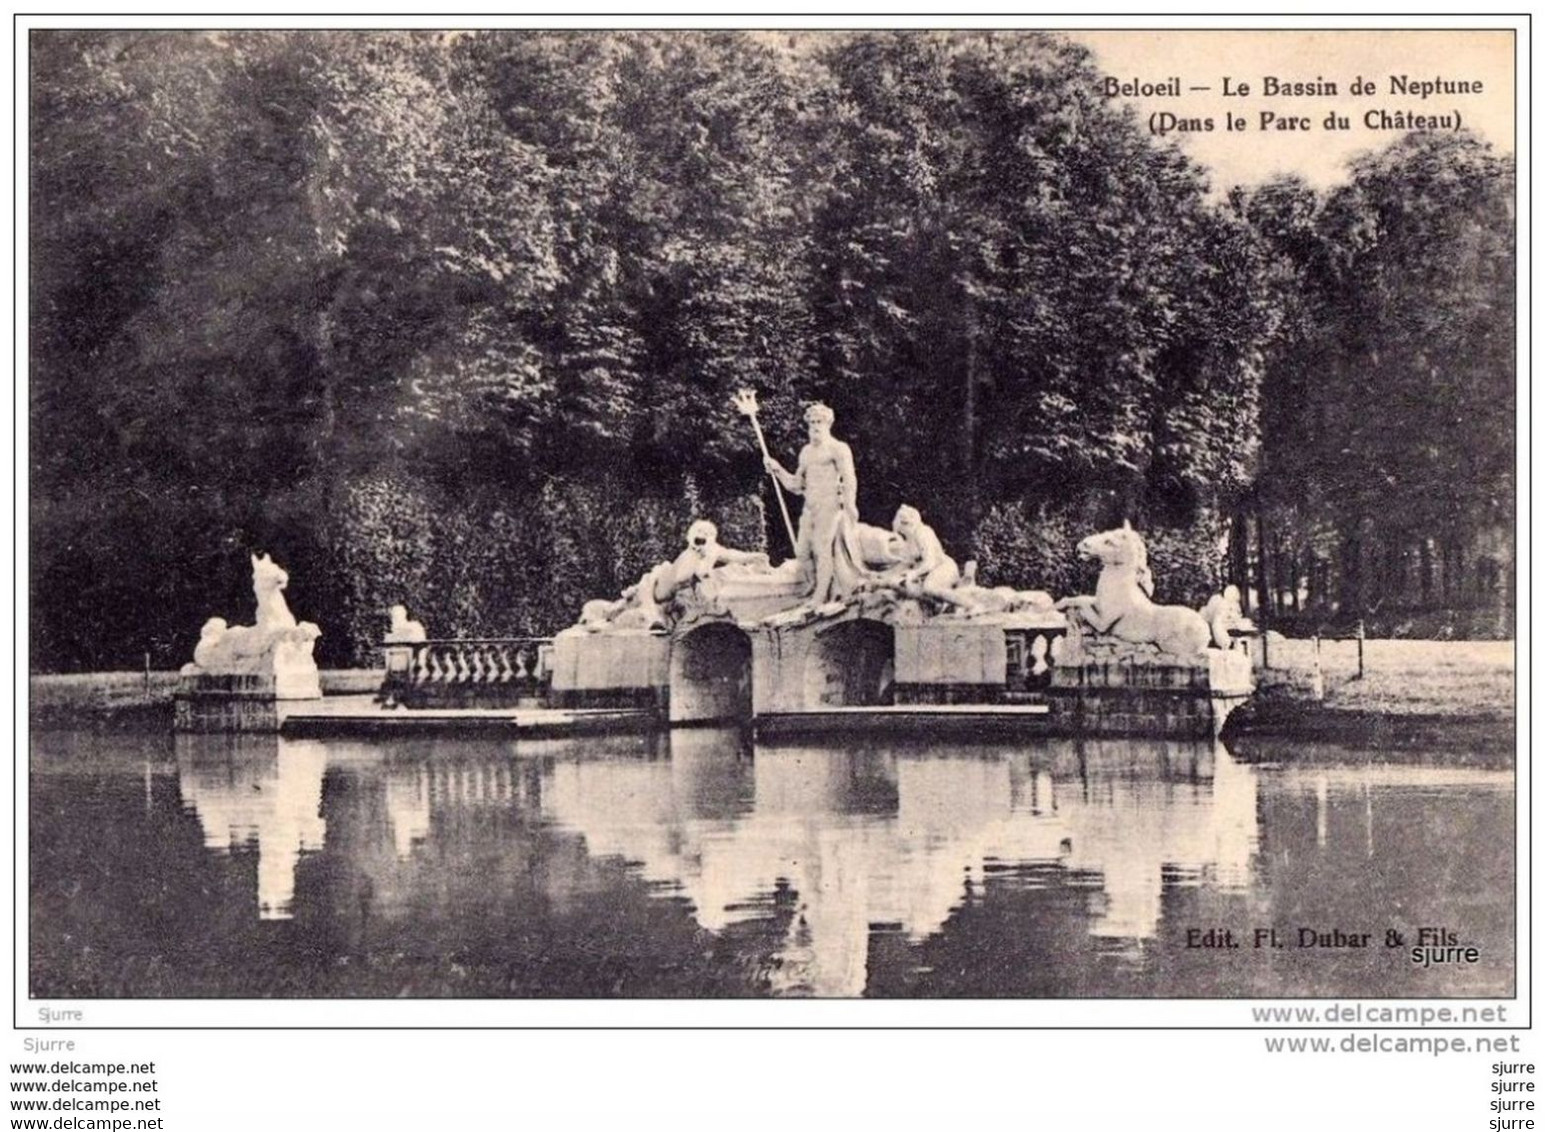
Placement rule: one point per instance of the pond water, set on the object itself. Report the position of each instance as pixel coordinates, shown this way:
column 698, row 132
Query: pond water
column 692, row 864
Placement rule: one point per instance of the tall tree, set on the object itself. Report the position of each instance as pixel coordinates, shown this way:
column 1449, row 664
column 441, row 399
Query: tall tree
column 1390, row 393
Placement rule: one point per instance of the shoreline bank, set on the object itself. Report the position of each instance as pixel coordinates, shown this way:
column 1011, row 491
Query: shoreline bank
column 140, row 701
column 1454, row 697
column 1487, row 739
column 1491, row 739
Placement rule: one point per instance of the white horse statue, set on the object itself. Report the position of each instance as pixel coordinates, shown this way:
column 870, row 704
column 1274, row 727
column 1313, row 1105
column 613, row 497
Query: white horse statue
column 1122, row 606
column 268, row 582
column 277, row 643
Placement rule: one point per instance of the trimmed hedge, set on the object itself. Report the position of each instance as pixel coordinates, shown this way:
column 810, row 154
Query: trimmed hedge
column 492, row 564
column 1038, row 549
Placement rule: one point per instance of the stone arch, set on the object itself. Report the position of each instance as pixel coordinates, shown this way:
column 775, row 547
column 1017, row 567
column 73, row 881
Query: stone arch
column 711, row 674
column 851, row 664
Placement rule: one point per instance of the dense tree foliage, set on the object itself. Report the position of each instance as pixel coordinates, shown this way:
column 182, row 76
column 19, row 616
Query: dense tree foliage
column 1389, row 397
column 454, row 319
column 1014, row 276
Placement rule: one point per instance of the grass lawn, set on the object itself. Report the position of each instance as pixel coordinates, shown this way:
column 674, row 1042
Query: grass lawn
column 116, row 691
column 1469, row 678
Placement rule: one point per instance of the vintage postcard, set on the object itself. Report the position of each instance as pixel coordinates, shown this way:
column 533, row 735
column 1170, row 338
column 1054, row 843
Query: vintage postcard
column 523, row 519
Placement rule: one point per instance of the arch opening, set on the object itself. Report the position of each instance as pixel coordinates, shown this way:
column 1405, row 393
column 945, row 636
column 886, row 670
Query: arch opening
column 852, row 664
column 711, row 675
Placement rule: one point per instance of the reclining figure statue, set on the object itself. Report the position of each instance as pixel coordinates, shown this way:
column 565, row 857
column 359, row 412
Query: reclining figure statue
column 694, row 582
column 922, row 569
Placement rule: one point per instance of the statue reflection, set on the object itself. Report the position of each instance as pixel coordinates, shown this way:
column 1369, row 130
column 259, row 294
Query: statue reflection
column 1150, row 813
column 432, row 781
column 827, row 843
column 251, row 791
column 866, row 837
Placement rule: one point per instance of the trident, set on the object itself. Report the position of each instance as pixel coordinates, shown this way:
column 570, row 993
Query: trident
column 745, row 402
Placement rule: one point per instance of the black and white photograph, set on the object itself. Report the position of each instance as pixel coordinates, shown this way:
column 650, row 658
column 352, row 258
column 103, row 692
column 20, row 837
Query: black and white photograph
column 760, row 513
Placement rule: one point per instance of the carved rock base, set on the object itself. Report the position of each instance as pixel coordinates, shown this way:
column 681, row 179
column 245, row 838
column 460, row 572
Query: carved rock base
column 240, row 701
column 614, row 669
column 291, row 682
column 1143, row 696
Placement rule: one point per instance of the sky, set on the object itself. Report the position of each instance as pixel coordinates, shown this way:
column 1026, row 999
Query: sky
column 1207, row 58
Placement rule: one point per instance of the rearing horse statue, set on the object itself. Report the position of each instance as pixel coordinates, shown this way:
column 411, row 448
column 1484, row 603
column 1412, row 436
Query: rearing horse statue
column 1122, row 605
column 276, row 636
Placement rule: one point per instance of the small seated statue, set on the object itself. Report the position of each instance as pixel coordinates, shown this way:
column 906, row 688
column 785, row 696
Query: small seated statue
column 404, row 631
column 1224, row 614
column 206, row 653
column 399, row 658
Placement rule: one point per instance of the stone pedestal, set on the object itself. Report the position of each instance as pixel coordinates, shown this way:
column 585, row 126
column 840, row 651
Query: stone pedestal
column 612, row 669
column 245, row 701
column 211, row 702
column 1147, row 696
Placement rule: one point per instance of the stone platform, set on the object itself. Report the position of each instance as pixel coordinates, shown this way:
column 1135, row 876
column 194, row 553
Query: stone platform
column 850, row 669
column 896, row 630
column 1147, row 697
column 242, row 701
column 210, row 702
column 619, row 670
column 365, row 715
column 853, row 661
column 724, row 670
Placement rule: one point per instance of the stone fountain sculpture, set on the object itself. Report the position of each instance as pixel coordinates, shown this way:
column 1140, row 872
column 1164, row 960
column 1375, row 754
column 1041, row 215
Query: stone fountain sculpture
column 1122, row 612
column 272, row 657
column 1122, row 621
column 841, row 567
column 861, row 616
column 717, row 615
column 1131, row 666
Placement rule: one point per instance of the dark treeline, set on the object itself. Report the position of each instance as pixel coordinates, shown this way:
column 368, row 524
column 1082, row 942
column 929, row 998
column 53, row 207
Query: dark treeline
column 1387, row 488
column 454, row 319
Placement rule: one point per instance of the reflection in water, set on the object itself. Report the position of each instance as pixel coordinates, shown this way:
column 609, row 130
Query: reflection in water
column 855, row 837
column 257, row 791
column 693, row 864
column 407, row 809
column 414, row 789
column 904, row 839
column 1189, row 821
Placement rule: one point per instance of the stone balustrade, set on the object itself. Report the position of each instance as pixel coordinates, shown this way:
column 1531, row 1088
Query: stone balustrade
column 468, row 672
column 1031, row 652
